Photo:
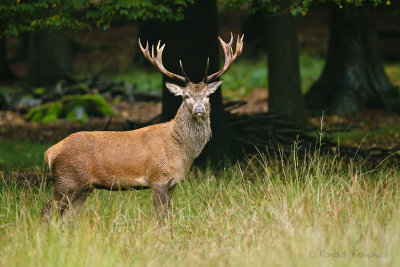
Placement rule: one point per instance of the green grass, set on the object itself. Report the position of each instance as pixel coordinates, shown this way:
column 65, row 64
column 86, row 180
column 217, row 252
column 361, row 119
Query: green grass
column 21, row 154
column 311, row 67
column 393, row 71
column 142, row 79
column 356, row 136
column 244, row 76
column 262, row 212
column 257, row 213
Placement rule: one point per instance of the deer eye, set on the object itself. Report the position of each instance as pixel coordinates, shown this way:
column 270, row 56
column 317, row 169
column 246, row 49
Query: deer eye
column 186, row 96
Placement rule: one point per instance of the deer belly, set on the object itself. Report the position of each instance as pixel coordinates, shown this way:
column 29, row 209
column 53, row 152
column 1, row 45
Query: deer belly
column 122, row 183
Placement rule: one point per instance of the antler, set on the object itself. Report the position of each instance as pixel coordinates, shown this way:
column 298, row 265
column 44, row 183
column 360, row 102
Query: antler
column 229, row 57
column 157, row 61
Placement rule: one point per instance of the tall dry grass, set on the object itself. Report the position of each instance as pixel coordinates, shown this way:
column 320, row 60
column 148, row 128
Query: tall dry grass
column 316, row 211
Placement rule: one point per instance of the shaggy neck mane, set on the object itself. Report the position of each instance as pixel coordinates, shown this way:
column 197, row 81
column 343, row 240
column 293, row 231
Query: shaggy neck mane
column 190, row 132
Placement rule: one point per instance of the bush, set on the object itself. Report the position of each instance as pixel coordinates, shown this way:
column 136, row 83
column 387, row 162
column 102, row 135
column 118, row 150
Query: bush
column 75, row 108
column 48, row 112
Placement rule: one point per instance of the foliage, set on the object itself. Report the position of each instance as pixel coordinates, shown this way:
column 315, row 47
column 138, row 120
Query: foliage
column 8, row 96
column 48, row 112
column 295, row 6
column 94, row 105
column 283, row 213
column 27, row 15
column 72, row 107
column 20, row 16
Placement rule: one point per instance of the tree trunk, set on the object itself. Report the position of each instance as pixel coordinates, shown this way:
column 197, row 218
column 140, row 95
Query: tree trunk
column 5, row 72
column 353, row 76
column 50, row 57
column 147, row 31
column 285, row 95
column 23, row 48
column 193, row 40
column 254, row 29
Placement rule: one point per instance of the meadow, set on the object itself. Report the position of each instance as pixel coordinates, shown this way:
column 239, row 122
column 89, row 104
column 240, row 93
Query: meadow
column 303, row 211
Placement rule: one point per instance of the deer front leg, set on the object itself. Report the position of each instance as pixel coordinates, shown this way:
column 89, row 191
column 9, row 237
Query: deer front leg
column 161, row 196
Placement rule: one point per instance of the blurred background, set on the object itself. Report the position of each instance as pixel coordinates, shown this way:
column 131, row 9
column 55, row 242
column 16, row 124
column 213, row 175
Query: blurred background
column 306, row 65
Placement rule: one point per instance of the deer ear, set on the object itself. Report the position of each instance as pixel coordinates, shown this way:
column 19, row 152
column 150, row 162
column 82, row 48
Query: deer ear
column 174, row 89
column 212, row 87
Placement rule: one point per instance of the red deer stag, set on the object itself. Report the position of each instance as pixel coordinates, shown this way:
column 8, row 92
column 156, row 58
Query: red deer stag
column 155, row 157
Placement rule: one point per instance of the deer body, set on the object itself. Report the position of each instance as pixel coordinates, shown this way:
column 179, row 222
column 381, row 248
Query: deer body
column 157, row 154
column 156, row 157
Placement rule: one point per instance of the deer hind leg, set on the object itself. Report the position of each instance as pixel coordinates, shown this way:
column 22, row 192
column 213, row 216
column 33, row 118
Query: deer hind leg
column 57, row 204
column 49, row 209
column 66, row 205
column 161, row 198
column 74, row 206
column 67, row 193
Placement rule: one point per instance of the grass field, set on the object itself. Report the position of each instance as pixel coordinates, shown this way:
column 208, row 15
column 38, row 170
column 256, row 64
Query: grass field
column 21, row 154
column 319, row 211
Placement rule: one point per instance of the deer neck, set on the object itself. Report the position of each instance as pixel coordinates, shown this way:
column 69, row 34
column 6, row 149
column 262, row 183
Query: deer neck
column 190, row 132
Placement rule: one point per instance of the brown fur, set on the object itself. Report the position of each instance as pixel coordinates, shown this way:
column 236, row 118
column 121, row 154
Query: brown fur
column 155, row 157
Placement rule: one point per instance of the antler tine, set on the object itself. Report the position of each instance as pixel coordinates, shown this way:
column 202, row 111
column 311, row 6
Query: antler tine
column 158, row 46
column 152, row 53
column 227, row 48
column 145, row 51
column 183, row 72
column 231, row 41
column 229, row 56
column 206, row 72
column 157, row 60
column 160, row 50
column 239, row 46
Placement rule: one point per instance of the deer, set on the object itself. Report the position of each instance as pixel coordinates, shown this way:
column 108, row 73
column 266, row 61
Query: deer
column 155, row 157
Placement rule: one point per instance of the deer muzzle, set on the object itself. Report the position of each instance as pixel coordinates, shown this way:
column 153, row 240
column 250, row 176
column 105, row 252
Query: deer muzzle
column 199, row 110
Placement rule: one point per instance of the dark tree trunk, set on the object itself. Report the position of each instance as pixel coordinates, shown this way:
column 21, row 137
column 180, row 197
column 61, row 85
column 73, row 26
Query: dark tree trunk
column 254, row 31
column 5, row 72
column 285, row 95
column 193, row 40
column 353, row 75
column 50, row 57
column 148, row 31
column 23, row 48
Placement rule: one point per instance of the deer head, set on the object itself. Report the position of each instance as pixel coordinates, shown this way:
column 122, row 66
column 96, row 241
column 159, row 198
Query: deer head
column 195, row 95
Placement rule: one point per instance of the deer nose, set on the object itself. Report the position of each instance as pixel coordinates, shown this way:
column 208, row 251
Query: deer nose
column 199, row 110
